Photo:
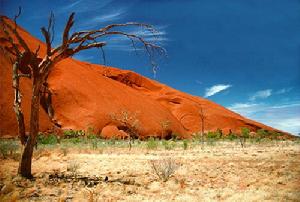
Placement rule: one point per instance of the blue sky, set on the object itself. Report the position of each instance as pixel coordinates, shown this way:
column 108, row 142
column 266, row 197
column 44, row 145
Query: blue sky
column 244, row 55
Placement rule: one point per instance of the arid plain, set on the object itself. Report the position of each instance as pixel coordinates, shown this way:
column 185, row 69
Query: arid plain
column 215, row 171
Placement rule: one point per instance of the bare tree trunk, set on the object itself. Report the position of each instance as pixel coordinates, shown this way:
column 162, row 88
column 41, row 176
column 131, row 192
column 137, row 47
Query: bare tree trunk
column 17, row 103
column 202, row 131
column 202, row 117
column 26, row 159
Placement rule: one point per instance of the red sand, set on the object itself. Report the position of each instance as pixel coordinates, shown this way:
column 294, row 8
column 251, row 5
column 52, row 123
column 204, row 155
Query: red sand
column 86, row 95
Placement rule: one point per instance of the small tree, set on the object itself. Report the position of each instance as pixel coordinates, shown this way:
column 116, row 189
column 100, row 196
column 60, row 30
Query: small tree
column 34, row 65
column 202, row 118
column 164, row 128
column 244, row 135
column 129, row 124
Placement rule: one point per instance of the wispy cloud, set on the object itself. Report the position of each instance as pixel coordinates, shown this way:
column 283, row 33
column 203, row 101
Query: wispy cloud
column 283, row 90
column 71, row 6
column 107, row 17
column 261, row 94
column 82, row 6
column 282, row 116
column 104, row 18
column 247, row 109
column 199, row 82
column 216, row 89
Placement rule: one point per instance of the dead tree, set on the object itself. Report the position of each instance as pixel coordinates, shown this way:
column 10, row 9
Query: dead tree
column 37, row 66
column 202, row 118
column 129, row 123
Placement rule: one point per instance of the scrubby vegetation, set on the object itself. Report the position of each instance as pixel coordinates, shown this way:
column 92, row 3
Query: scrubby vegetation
column 9, row 149
column 164, row 168
column 161, row 167
column 89, row 140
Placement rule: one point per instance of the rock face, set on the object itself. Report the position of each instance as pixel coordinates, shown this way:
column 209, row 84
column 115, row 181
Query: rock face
column 86, row 95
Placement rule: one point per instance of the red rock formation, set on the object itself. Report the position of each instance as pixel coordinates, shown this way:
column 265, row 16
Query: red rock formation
column 87, row 95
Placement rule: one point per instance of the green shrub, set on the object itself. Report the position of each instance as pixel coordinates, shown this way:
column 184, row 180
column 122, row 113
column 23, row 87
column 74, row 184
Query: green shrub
column 75, row 140
column 91, row 136
column 275, row 135
column 152, row 143
column 94, row 143
column 244, row 135
column 47, row 139
column 185, row 144
column 232, row 136
column 8, row 148
column 73, row 133
column 90, row 131
column 214, row 135
column 262, row 133
column 168, row 144
column 245, row 132
column 211, row 141
column 112, row 141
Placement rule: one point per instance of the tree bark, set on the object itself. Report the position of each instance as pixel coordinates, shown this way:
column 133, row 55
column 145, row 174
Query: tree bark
column 26, row 159
column 17, row 103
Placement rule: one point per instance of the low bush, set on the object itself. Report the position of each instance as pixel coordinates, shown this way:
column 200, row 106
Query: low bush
column 91, row 136
column 94, row 143
column 76, row 140
column 168, row 144
column 73, row 168
column 232, row 136
column 214, row 135
column 185, row 144
column 8, row 148
column 111, row 141
column 152, row 143
column 50, row 139
column 244, row 135
column 164, row 168
column 261, row 133
column 73, row 133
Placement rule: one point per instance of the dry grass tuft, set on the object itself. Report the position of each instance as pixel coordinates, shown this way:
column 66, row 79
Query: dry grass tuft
column 164, row 168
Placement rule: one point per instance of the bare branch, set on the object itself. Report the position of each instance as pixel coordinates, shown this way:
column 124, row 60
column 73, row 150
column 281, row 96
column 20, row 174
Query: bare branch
column 37, row 51
column 51, row 24
column 84, row 47
column 18, row 15
column 103, row 55
column 47, row 39
column 49, row 33
column 67, row 30
column 109, row 27
column 15, row 32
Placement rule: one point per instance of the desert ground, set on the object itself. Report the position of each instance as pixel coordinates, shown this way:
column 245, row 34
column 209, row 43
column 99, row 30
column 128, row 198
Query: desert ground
column 109, row 171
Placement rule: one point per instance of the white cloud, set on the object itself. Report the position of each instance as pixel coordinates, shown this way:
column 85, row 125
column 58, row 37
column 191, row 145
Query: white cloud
column 103, row 18
column 284, row 117
column 81, row 6
column 246, row 109
column 283, row 90
column 199, row 82
column 261, row 94
column 108, row 17
column 216, row 89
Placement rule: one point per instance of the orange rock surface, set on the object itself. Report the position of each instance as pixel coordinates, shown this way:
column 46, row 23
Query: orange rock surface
column 87, row 95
